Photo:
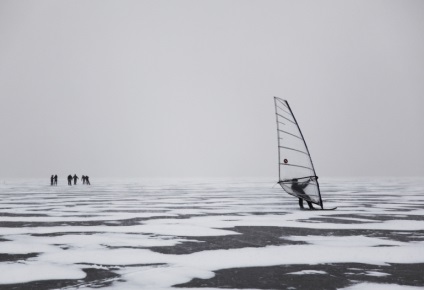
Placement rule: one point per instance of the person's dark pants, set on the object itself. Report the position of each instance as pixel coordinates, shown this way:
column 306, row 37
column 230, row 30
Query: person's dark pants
column 309, row 204
column 69, row 182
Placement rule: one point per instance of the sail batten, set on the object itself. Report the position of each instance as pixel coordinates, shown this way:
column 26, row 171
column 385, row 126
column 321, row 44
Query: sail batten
column 283, row 110
column 282, row 102
column 288, row 148
column 296, row 171
column 288, row 134
column 296, row 166
column 286, row 118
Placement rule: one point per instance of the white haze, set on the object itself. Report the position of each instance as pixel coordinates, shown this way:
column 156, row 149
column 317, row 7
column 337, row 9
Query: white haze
column 184, row 88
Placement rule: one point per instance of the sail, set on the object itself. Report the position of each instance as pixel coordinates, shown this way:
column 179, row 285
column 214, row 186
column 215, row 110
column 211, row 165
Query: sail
column 296, row 172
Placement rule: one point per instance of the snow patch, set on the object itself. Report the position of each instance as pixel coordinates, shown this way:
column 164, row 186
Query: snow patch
column 11, row 273
column 307, row 272
column 376, row 274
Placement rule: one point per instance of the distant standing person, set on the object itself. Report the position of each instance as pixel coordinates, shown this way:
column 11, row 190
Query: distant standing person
column 83, row 179
column 52, row 180
column 87, row 181
column 75, row 179
column 69, row 179
column 55, row 180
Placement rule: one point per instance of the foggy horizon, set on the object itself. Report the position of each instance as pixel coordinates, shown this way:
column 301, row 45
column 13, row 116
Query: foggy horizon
column 155, row 89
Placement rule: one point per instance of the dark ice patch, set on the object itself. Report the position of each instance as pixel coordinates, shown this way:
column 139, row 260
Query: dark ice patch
column 380, row 217
column 332, row 220
column 8, row 214
column 257, row 236
column 250, row 237
column 336, row 276
column 16, row 257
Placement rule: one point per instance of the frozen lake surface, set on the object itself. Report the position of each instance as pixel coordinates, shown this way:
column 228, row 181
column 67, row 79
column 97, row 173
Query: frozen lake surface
column 211, row 234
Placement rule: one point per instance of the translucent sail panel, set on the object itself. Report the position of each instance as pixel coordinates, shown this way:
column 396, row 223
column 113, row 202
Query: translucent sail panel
column 305, row 188
column 294, row 156
column 296, row 172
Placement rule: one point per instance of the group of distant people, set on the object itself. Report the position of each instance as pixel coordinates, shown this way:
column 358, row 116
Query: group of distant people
column 53, row 180
column 85, row 179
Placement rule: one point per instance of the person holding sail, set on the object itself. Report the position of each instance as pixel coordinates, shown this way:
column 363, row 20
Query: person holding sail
column 298, row 189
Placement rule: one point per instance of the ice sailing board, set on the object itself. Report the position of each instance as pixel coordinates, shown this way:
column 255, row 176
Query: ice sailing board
column 296, row 172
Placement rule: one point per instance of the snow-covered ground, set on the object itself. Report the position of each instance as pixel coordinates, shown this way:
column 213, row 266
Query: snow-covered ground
column 210, row 234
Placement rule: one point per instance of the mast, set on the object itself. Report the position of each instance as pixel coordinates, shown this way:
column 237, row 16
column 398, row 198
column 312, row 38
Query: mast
column 278, row 138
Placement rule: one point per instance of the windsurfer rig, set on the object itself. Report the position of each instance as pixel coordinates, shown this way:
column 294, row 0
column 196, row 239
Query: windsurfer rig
column 296, row 171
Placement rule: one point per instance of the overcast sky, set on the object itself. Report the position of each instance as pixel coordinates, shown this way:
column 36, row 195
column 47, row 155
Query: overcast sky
column 185, row 88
